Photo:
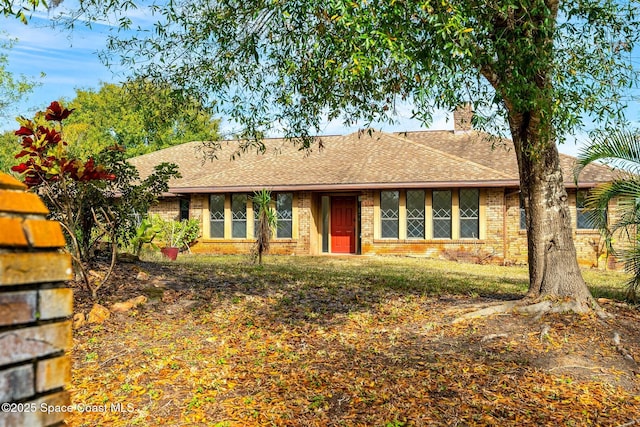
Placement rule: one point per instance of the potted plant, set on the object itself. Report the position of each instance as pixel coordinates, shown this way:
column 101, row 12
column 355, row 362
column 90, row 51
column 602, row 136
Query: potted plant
column 176, row 235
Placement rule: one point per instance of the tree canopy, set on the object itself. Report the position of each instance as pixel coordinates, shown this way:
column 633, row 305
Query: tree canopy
column 21, row 9
column 12, row 89
column 138, row 115
column 289, row 65
column 9, row 147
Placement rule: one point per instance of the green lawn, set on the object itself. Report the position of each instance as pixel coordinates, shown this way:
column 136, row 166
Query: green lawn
column 417, row 275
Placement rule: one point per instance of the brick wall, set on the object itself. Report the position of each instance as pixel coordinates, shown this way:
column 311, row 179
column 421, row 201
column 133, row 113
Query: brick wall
column 35, row 306
column 501, row 212
column 494, row 223
column 196, row 207
column 168, row 209
column 516, row 237
column 587, row 242
column 306, row 224
column 367, row 220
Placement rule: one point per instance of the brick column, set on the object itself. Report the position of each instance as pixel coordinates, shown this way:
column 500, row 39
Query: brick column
column 35, row 310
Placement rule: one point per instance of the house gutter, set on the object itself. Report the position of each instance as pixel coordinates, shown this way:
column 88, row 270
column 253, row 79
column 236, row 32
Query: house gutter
column 175, row 190
column 344, row 187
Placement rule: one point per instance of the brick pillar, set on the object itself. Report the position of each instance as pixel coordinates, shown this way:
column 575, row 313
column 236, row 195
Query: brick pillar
column 35, row 307
column 367, row 220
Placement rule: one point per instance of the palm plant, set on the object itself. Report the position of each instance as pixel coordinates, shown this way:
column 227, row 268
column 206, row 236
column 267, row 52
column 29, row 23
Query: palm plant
column 267, row 222
column 621, row 150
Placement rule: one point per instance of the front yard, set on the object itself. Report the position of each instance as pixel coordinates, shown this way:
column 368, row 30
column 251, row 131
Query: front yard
column 348, row 341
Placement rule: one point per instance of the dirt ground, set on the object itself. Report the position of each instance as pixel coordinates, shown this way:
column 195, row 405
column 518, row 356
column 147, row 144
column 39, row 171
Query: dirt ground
column 508, row 369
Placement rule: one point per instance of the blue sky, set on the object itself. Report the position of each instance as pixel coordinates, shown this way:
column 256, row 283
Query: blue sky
column 69, row 60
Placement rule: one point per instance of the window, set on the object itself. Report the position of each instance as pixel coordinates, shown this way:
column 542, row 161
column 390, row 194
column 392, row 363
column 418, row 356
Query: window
column 415, row 214
column 587, row 219
column 284, row 211
column 239, row 215
column 389, row 214
column 184, row 209
column 216, row 216
column 442, row 214
column 523, row 214
column 469, row 213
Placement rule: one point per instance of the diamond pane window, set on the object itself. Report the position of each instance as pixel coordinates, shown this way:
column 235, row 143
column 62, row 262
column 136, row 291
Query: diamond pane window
column 469, row 213
column 389, row 214
column 216, row 216
column 586, row 219
column 442, row 214
column 239, row 215
column 284, row 211
column 415, row 214
column 185, row 205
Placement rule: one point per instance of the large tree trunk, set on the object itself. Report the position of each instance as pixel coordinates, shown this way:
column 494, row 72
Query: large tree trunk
column 553, row 266
column 524, row 83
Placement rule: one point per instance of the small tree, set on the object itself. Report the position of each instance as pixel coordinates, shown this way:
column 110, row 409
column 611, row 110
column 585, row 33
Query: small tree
column 60, row 180
column 620, row 149
column 128, row 197
column 176, row 234
column 94, row 201
column 267, row 221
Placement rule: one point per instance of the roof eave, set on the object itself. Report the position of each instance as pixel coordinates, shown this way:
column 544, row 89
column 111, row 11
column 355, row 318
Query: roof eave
column 346, row 186
column 177, row 191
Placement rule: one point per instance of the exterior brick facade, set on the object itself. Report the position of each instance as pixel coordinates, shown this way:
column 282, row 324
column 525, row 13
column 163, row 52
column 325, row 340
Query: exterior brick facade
column 501, row 238
column 474, row 177
column 35, row 307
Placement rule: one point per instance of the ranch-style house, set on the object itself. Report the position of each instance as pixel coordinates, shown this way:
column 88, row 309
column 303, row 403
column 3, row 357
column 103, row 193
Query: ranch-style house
column 452, row 194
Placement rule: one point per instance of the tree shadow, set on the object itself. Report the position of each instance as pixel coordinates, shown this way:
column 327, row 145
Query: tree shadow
column 308, row 344
column 319, row 291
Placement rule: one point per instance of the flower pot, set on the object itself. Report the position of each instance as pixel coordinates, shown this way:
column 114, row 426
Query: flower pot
column 171, row 253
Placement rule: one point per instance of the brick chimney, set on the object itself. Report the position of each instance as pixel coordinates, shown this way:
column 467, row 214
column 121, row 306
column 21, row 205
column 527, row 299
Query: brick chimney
column 462, row 116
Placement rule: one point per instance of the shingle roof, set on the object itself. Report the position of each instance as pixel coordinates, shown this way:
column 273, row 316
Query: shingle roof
column 498, row 153
column 427, row 159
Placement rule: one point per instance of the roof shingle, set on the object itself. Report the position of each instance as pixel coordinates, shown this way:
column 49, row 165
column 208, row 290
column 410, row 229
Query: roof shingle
column 370, row 159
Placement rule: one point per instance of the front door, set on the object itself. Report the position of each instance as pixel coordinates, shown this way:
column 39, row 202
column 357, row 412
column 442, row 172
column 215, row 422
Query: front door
column 343, row 225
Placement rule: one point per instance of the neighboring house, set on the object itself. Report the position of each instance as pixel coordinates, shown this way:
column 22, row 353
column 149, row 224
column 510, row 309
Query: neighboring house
column 447, row 194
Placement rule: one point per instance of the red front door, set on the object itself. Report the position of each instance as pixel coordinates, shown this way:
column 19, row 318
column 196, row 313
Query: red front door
column 343, row 225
